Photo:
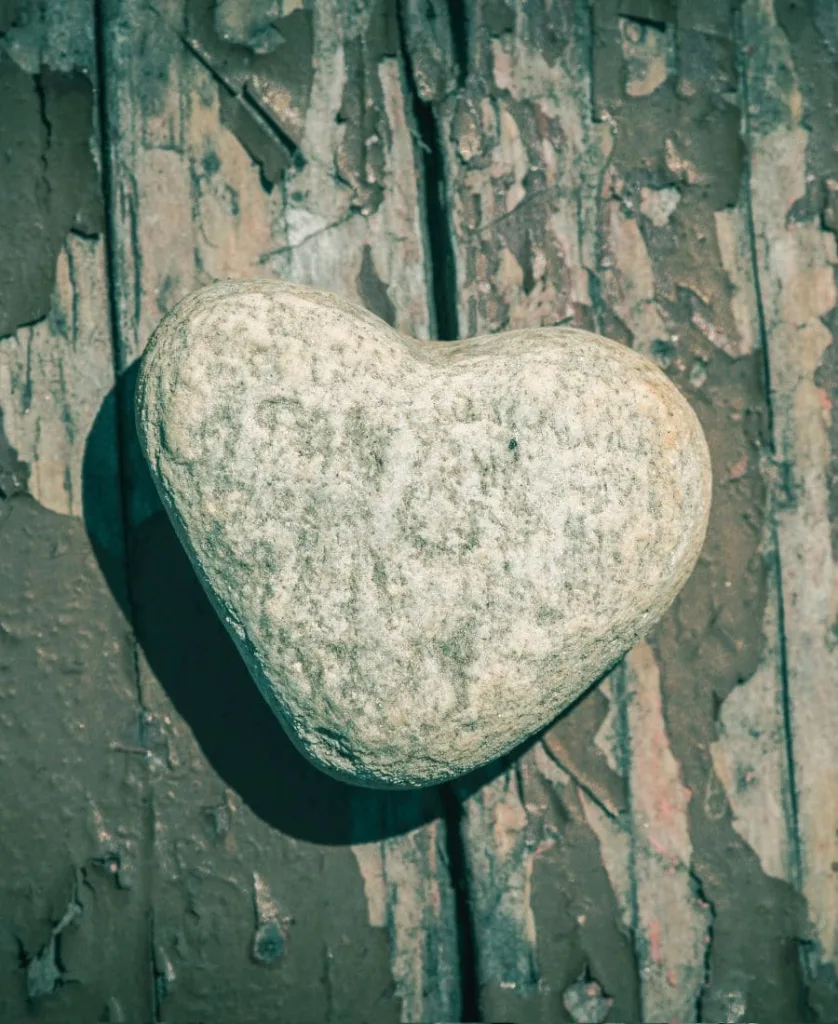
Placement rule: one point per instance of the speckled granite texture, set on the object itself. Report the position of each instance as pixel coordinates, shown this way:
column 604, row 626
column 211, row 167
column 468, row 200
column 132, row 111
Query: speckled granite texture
column 423, row 550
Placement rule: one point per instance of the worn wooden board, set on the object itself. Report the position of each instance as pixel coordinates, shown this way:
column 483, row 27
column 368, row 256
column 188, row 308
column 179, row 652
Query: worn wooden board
column 676, row 278
column 272, row 883
column 662, row 171
column 791, row 70
column 75, row 832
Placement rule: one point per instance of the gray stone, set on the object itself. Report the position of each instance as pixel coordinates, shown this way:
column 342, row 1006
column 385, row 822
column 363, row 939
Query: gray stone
column 423, row 550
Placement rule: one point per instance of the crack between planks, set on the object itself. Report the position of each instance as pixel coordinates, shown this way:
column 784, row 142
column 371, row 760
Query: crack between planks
column 797, row 865
column 120, row 411
column 455, row 848
column 439, row 248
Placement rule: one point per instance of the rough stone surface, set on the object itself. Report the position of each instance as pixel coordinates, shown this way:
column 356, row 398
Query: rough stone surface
column 424, row 551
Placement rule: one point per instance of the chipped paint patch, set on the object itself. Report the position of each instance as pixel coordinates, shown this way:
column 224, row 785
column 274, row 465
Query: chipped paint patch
column 419, row 909
column 49, row 396
column 269, row 938
column 683, row 169
column 733, row 236
column 50, row 183
column 658, row 204
column 607, row 737
column 370, row 858
column 501, row 872
column 615, row 849
column 629, row 279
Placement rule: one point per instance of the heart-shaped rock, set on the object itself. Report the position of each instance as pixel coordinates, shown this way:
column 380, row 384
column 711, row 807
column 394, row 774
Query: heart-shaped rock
column 424, row 551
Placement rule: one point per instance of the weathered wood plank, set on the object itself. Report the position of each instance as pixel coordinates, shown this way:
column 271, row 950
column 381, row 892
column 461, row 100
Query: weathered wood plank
column 74, row 829
column 246, row 144
column 790, row 69
column 677, row 283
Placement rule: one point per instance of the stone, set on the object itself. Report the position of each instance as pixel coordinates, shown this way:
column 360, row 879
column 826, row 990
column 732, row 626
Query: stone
column 423, row 550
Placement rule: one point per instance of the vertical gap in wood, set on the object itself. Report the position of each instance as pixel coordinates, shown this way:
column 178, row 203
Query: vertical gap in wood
column 742, row 70
column 438, row 233
column 458, row 19
column 120, row 412
column 442, row 274
column 466, row 936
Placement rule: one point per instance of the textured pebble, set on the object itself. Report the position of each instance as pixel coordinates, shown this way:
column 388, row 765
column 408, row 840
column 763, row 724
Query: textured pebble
column 424, row 551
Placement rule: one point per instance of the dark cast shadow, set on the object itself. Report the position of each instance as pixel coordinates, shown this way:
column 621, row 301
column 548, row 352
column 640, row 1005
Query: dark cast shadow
column 196, row 662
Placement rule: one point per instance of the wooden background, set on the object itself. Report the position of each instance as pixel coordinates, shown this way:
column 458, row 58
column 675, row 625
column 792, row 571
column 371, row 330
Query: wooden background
column 664, row 171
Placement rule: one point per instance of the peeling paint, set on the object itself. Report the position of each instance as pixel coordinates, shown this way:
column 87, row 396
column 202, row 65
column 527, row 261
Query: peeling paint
column 568, row 743
column 50, row 180
column 269, row 938
column 370, row 858
column 629, row 280
column 658, row 204
column 733, row 235
column 419, row 909
column 683, row 169
column 615, row 849
column 49, row 395
column 501, row 873
column 263, row 95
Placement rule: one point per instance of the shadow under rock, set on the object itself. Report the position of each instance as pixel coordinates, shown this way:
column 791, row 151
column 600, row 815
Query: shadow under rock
column 196, row 661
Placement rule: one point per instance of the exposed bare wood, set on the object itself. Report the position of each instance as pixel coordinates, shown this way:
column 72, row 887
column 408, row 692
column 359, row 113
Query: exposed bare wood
column 629, row 225
column 672, row 920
